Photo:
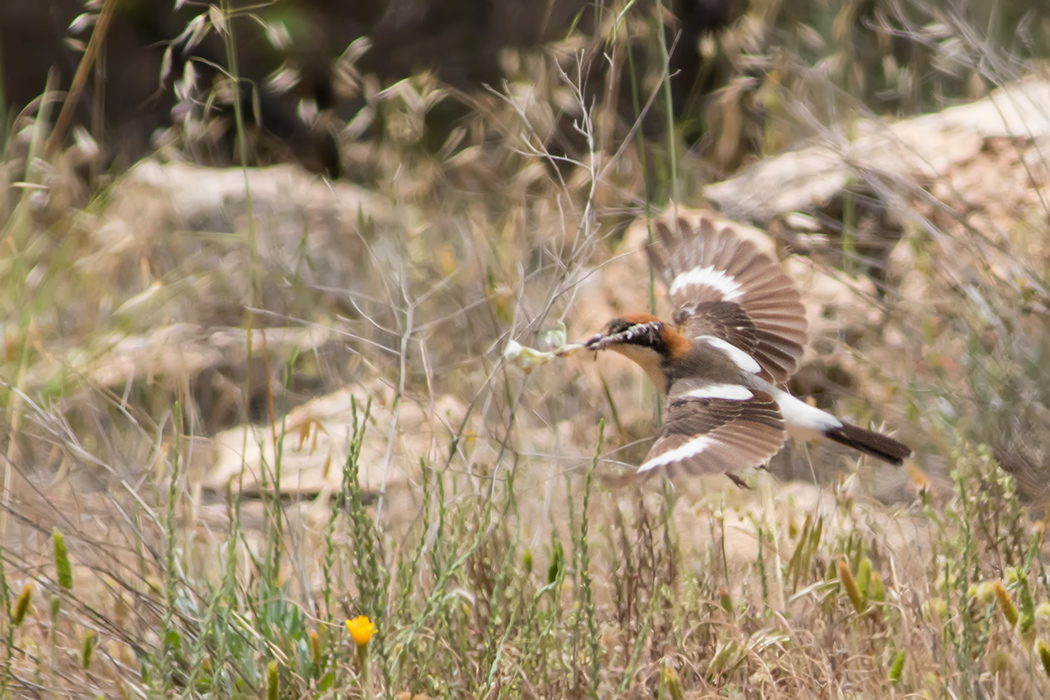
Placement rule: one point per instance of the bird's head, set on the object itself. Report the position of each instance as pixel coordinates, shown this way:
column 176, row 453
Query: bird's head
column 644, row 339
column 628, row 333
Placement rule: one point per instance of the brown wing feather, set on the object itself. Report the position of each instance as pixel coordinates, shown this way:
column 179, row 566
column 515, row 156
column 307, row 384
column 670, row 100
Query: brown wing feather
column 710, row 436
column 722, row 285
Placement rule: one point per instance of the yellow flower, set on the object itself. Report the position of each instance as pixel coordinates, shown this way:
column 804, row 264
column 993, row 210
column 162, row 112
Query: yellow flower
column 361, row 629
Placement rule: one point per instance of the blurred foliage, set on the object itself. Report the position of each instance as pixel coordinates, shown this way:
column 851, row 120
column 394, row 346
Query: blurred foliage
column 504, row 574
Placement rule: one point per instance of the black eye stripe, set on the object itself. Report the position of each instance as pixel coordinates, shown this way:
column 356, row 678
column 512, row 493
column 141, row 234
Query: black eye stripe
column 639, row 334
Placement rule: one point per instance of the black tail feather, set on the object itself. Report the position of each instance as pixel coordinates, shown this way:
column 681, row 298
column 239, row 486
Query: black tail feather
column 870, row 443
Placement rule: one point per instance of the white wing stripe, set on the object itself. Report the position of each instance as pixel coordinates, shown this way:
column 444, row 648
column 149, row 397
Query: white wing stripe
column 729, row 392
column 689, row 449
column 711, row 277
column 740, row 358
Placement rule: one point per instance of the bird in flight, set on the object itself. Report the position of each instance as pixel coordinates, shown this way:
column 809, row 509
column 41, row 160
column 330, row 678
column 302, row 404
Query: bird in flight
column 736, row 336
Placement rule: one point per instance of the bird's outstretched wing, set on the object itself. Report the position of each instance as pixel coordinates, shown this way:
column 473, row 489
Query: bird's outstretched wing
column 722, row 285
column 715, row 428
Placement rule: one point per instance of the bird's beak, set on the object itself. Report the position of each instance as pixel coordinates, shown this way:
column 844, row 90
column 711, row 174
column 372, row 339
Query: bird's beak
column 594, row 342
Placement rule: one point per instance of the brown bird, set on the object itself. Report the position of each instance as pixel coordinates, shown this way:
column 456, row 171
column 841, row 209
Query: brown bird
column 737, row 335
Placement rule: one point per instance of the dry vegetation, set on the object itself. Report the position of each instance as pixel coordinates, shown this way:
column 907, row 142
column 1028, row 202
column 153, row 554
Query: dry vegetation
column 458, row 501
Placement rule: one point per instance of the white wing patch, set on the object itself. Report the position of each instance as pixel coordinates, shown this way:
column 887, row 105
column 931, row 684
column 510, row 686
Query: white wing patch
column 711, row 277
column 740, row 358
column 689, row 449
column 729, row 392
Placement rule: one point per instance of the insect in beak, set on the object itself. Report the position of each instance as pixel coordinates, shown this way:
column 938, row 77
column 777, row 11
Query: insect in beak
column 594, row 341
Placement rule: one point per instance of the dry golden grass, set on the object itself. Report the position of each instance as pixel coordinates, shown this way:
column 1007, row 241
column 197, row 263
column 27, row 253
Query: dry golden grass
column 177, row 302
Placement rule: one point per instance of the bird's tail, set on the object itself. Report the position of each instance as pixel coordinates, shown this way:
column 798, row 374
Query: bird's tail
column 870, row 443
